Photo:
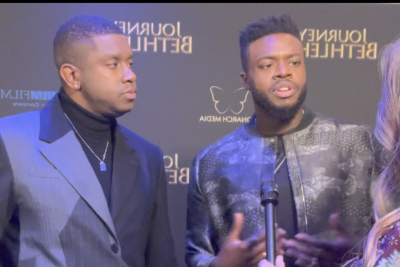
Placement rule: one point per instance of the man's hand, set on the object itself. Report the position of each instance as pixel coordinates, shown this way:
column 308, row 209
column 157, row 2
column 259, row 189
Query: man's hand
column 238, row 253
column 280, row 237
column 313, row 251
column 246, row 253
column 279, row 262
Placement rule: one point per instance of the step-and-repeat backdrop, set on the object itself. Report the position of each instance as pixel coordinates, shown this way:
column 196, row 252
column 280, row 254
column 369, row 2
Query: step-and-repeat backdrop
column 183, row 51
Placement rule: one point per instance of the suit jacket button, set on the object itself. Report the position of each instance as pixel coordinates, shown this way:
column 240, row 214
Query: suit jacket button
column 114, row 248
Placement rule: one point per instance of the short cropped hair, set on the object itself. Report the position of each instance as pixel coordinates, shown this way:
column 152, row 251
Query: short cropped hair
column 263, row 27
column 79, row 29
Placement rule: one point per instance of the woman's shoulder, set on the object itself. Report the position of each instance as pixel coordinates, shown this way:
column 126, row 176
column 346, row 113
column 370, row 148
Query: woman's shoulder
column 389, row 247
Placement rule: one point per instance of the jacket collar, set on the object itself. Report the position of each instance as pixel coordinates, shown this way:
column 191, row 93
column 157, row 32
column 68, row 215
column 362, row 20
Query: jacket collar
column 306, row 121
column 53, row 124
column 61, row 147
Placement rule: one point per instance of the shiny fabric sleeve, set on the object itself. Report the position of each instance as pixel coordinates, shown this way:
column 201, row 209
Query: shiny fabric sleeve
column 360, row 171
column 9, row 243
column 199, row 251
column 160, row 248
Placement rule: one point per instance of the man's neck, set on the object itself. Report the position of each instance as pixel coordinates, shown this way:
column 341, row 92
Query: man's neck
column 270, row 126
column 87, row 123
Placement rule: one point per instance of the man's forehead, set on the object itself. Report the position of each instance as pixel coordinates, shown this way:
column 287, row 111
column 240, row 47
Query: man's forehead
column 276, row 42
column 112, row 42
column 109, row 39
column 106, row 44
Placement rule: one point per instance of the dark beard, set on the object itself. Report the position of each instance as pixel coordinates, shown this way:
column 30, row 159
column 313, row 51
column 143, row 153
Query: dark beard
column 282, row 114
column 99, row 104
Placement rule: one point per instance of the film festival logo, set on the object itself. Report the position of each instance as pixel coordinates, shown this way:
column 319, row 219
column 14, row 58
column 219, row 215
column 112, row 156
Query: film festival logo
column 26, row 98
column 156, row 37
column 229, row 105
column 176, row 175
column 333, row 43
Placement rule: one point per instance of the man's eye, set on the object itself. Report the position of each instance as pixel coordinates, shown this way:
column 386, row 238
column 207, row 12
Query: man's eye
column 296, row 63
column 113, row 65
column 267, row 66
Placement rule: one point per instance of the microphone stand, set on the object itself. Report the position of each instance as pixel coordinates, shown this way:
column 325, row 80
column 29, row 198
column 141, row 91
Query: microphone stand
column 269, row 199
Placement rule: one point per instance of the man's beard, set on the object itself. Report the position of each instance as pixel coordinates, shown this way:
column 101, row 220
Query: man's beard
column 103, row 107
column 282, row 114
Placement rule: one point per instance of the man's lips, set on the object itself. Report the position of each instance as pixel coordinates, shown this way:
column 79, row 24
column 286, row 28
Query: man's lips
column 284, row 89
column 130, row 94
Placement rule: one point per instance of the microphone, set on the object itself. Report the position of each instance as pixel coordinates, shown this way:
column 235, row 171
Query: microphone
column 269, row 199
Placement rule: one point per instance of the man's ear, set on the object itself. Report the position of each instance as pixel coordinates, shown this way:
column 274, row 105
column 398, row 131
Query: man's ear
column 244, row 77
column 71, row 75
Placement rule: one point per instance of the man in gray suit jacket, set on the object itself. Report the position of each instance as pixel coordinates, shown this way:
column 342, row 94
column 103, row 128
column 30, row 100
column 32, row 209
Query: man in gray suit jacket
column 76, row 187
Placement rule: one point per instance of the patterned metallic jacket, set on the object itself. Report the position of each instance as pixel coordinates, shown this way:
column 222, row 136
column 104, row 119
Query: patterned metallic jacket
column 330, row 166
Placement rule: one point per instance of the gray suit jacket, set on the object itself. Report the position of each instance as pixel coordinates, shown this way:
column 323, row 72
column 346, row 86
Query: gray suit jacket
column 53, row 211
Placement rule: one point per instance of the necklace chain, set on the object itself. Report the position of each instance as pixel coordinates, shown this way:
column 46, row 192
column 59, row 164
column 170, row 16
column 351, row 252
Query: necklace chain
column 284, row 158
column 280, row 164
column 73, row 127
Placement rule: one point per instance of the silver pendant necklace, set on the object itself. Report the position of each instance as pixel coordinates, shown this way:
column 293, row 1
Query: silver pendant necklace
column 284, row 158
column 103, row 166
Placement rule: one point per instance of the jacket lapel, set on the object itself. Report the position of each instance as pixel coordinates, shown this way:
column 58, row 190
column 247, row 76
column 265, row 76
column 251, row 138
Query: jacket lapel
column 124, row 178
column 61, row 147
column 297, row 183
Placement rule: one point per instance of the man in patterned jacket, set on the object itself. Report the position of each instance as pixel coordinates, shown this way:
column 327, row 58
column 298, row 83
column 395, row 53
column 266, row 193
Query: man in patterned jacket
column 323, row 168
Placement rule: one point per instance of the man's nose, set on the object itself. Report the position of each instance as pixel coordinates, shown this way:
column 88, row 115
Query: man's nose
column 282, row 71
column 129, row 75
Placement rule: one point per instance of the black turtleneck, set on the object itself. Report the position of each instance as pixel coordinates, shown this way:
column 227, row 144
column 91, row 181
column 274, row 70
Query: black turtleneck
column 286, row 215
column 96, row 131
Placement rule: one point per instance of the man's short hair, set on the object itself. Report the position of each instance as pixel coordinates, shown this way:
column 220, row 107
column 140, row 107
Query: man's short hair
column 263, row 27
column 79, row 29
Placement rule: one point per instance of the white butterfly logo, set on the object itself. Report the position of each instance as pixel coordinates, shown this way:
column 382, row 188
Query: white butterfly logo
column 228, row 101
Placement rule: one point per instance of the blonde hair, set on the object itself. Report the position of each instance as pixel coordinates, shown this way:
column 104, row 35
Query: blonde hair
column 387, row 132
